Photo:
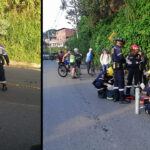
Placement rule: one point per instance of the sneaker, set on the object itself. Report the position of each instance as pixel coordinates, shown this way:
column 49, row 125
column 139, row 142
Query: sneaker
column 115, row 100
column 73, row 77
column 110, row 98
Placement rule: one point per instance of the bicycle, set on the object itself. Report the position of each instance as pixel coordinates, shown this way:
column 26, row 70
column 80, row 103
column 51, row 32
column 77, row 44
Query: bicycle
column 62, row 69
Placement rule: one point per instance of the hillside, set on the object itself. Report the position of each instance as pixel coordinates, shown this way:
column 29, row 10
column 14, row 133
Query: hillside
column 20, row 22
column 130, row 20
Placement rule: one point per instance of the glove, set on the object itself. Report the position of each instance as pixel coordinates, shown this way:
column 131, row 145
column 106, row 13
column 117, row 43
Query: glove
column 108, row 85
column 137, row 62
column 128, row 61
column 142, row 86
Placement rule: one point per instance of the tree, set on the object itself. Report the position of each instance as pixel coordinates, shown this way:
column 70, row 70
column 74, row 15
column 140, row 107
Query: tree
column 72, row 9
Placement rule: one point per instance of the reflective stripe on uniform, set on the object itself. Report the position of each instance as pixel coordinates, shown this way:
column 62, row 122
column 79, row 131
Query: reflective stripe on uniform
column 128, row 86
column 116, row 88
column 119, row 54
column 121, row 89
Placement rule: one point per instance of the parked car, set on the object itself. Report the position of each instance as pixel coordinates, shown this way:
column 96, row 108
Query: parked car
column 46, row 56
column 51, row 57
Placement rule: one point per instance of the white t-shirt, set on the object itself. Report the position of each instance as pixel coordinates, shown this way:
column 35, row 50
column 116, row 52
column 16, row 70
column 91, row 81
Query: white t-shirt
column 105, row 59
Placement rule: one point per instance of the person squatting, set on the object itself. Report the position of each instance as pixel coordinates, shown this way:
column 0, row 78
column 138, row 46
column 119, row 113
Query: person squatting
column 3, row 55
column 111, row 83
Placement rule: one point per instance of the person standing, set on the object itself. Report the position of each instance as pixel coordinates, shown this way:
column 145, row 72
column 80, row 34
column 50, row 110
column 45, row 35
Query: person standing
column 89, row 59
column 105, row 60
column 3, row 55
column 133, row 60
column 142, row 67
column 118, row 61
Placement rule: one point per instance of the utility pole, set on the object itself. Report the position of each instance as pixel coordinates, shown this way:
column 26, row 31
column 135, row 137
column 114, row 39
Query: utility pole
column 49, row 42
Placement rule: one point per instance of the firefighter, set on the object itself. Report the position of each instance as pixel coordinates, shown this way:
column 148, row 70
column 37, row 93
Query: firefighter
column 133, row 60
column 118, row 61
column 103, row 81
column 3, row 55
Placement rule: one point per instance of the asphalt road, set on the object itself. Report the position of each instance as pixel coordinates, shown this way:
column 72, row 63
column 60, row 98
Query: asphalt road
column 20, row 110
column 74, row 118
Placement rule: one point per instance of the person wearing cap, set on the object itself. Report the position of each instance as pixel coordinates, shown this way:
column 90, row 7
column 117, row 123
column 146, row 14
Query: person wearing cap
column 105, row 59
column 133, row 60
column 89, row 59
column 3, row 55
column 104, row 82
column 73, row 61
column 118, row 61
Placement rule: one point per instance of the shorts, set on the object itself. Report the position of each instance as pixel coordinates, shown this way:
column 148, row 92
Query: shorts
column 73, row 65
column 67, row 62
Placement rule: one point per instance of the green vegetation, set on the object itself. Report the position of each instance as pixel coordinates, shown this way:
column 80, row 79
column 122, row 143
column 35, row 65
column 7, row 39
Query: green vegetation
column 132, row 22
column 53, row 49
column 21, row 29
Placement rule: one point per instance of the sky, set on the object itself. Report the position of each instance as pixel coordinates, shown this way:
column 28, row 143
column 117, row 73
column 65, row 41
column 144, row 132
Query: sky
column 53, row 17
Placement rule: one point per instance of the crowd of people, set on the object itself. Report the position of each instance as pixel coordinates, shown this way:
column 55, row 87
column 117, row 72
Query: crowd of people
column 110, row 83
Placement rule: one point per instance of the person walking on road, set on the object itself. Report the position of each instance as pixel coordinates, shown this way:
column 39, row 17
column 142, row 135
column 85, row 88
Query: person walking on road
column 118, row 61
column 3, row 55
column 89, row 59
column 105, row 60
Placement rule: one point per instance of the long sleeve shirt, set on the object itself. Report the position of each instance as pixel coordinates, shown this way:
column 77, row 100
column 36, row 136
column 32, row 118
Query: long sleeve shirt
column 3, row 53
column 105, row 59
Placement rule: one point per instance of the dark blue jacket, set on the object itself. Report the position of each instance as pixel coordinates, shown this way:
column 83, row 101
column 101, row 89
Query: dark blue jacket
column 3, row 54
column 117, row 55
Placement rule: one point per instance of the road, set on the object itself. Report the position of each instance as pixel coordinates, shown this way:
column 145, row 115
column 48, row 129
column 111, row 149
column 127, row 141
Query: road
column 74, row 118
column 20, row 110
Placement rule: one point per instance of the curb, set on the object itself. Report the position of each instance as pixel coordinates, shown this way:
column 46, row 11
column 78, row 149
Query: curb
column 24, row 65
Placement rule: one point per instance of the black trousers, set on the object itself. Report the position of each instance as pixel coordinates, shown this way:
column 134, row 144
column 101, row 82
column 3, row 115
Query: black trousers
column 119, row 84
column 133, row 73
column 2, row 73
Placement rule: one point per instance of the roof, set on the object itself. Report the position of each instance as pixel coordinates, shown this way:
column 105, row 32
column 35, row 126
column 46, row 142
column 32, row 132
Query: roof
column 64, row 28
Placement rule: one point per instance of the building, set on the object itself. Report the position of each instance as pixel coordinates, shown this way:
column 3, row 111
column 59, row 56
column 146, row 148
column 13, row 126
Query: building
column 62, row 35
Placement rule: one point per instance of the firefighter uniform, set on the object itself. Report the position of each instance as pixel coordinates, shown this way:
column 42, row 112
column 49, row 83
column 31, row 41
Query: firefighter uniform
column 133, row 61
column 3, row 55
column 118, row 61
column 102, row 78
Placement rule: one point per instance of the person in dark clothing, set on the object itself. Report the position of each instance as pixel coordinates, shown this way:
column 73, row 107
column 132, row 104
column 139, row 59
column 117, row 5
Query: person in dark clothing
column 3, row 55
column 118, row 61
column 142, row 67
column 60, row 55
column 133, row 60
column 103, row 81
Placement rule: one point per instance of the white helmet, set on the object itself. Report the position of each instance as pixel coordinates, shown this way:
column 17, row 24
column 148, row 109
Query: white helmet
column 90, row 49
column 76, row 49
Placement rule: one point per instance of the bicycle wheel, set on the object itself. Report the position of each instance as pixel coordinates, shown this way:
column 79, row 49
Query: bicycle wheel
column 62, row 71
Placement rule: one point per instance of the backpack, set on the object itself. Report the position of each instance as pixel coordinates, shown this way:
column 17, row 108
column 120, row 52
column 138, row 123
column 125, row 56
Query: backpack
column 72, row 58
column 147, row 108
column 89, row 57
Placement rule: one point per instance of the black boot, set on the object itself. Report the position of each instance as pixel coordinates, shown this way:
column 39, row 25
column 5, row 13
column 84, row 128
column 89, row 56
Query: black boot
column 128, row 91
column 116, row 95
column 122, row 98
column 4, row 88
